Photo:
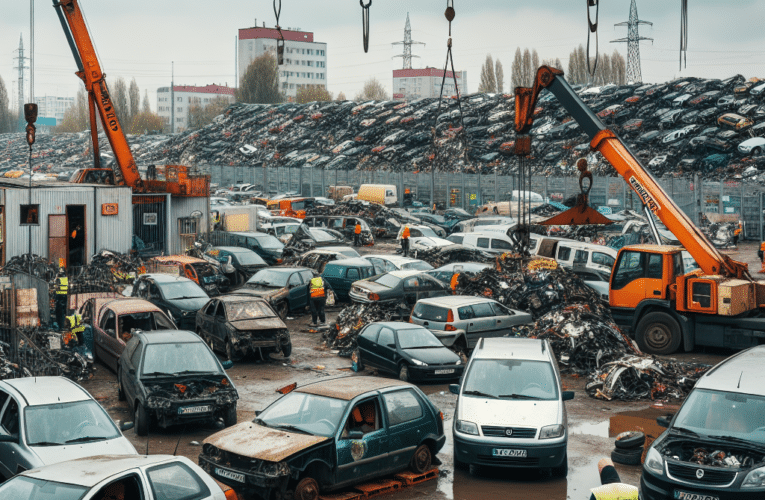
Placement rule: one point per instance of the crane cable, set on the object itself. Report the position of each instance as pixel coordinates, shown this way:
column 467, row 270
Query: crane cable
column 365, row 23
column 593, row 28
column 280, row 41
column 683, row 33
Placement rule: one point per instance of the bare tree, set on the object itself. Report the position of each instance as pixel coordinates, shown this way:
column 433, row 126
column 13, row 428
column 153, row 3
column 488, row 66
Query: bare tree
column 200, row 116
column 619, row 68
column 526, row 78
column 76, row 118
column 260, row 83
column 6, row 120
column 516, row 70
column 146, row 108
column 488, row 84
column 120, row 100
column 372, row 90
column 341, row 96
column 313, row 94
column 534, row 66
column 135, row 99
column 500, row 76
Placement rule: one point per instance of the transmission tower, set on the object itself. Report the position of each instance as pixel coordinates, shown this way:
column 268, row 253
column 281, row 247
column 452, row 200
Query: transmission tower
column 20, row 61
column 633, row 44
column 407, row 43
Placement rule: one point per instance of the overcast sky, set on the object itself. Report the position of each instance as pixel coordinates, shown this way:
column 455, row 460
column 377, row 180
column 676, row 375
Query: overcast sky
column 140, row 38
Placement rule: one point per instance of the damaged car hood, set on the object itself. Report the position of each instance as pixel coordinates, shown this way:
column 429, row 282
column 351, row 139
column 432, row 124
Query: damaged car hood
column 508, row 412
column 258, row 324
column 252, row 440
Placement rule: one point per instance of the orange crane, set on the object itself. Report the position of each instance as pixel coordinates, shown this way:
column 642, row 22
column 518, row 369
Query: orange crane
column 650, row 293
column 178, row 180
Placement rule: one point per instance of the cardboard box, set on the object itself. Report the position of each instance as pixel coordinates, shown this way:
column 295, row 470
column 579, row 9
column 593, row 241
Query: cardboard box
column 735, row 297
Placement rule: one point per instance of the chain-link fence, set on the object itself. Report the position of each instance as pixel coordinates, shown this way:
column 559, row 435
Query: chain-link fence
column 727, row 200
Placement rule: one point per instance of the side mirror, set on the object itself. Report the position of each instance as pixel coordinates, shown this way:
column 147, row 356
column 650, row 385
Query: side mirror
column 568, row 395
column 355, row 435
column 126, row 426
column 664, row 421
column 228, row 364
column 454, row 389
column 6, row 438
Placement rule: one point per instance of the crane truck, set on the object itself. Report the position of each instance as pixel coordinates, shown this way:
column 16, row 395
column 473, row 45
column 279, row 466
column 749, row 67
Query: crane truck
column 178, row 180
column 650, row 294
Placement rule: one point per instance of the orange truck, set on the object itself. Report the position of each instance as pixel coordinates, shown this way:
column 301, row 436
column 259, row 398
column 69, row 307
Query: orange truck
column 290, row 207
column 650, row 294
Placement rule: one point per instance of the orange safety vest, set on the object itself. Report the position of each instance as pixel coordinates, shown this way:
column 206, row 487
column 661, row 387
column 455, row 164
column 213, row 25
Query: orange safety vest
column 358, row 229
column 455, row 278
column 405, row 234
column 317, row 288
column 762, row 246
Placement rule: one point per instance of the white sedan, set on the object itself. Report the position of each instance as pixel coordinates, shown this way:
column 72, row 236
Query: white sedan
column 754, row 146
column 151, row 477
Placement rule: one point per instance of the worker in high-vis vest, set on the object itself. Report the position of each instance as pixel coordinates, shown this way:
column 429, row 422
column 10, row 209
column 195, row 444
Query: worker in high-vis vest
column 76, row 327
column 357, row 235
column 612, row 488
column 405, row 242
column 62, row 290
column 318, row 300
column 455, row 282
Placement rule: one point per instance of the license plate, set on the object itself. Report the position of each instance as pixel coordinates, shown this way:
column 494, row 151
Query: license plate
column 506, row 452
column 193, row 409
column 443, row 372
column 234, row 476
column 684, row 495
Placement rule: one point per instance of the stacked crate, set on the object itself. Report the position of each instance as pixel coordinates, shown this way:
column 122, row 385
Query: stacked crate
column 27, row 312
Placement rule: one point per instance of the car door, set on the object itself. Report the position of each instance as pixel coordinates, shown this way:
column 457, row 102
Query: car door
column 472, row 325
column 366, row 342
column 10, row 425
column 128, row 484
column 378, row 264
column 407, row 425
column 176, row 480
column 412, row 287
column 351, row 274
column 387, row 355
column 206, row 320
column 432, row 287
column 298, row 292
column 129, row 369
column 504, row 318
column 485, row 319
column 359, row 460
column 110, row 345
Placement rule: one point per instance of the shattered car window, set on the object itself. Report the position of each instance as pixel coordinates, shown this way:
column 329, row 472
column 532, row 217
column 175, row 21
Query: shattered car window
column 269, row 277
column 512, row 378
column 248, row 310
column 724, row 413
column 178, row 358
column 63, row 423
column 313, row 414
column 204, row 270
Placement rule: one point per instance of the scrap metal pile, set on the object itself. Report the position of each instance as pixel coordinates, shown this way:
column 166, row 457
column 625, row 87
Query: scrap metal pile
column 342, row 334
column 106, row 271
column 383, row 221
column 43, row 352
column 31, row 264
column 441, row 256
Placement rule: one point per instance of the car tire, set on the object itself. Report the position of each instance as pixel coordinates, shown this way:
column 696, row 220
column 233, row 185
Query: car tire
column 231, row 353
column 658, row 333
column 562, row 469
column 306, row 489
column 422, row 460
column 120, row 390
column 627, row 457
column 287, row 349
column 229, row 418
column 629, row 440
column 356, row 357
column 141, row 420
column 403, row 372
column 282, row 309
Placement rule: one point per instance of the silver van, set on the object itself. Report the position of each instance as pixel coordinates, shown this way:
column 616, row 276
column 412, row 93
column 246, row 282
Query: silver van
column 490, row 241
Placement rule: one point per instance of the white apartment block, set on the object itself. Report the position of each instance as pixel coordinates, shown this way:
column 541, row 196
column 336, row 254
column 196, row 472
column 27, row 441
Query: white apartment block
column 305, row 61
column 185, row 97
column 53, row 107
column 426, row 82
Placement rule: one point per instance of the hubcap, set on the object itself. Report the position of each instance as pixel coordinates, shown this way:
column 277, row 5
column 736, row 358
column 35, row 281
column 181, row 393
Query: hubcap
column 658, row 336
column 308, row 490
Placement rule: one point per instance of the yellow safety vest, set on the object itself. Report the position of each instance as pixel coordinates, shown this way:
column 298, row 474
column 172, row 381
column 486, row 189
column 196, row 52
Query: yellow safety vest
column 317, row 288
column 62, row 286
column 615, row 491
column 75, row 323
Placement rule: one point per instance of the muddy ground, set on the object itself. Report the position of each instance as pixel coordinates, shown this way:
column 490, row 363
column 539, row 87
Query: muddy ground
column 257, row 382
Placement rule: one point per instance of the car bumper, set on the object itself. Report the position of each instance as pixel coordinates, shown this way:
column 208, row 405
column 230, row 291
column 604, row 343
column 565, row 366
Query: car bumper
column 243, row 481
column 428, row 373
column 476, row 452
column 662, row 488
column 170, row 413
column 251, row 345
column 357, row 297
column 448, row 338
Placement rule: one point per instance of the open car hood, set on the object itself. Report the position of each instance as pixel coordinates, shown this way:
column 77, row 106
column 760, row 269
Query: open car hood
column 251, row 440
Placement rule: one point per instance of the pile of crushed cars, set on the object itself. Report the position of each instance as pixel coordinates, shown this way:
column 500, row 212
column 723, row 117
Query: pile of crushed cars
column 672, row 127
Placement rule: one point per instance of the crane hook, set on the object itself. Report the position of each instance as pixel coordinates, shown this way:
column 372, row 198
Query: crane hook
column 280, row 41
column 592, row 28
column 365, row 23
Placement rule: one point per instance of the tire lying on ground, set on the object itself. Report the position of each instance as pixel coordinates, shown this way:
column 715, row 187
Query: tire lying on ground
column 629, row 440
column 627, row 457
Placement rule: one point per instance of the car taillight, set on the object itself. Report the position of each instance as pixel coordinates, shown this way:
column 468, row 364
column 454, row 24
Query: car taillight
column 449, row 316
column 450, row 328
column 373, row 296
column 231, row 494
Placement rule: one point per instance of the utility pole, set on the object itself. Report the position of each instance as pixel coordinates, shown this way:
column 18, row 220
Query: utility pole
column 407, row 43
column 633, row 44
column 32, row 51
column 20, row 60
column 172, row 97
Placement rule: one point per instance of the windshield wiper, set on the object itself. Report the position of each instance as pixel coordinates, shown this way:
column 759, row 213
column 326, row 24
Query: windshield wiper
column 683, row 430
column 156, row 374
column 84, row 439
column 479, row 393
column 187, row 297
column 291, row 428
column 518, row 396
column 45, row 443
column 189, row 372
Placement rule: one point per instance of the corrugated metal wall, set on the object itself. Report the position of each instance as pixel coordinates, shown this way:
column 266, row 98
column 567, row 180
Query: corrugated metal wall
column 114, row 232
column 182, row 208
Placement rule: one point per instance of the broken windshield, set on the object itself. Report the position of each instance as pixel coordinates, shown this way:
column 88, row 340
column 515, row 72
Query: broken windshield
column 248, row 310
column 318, row 415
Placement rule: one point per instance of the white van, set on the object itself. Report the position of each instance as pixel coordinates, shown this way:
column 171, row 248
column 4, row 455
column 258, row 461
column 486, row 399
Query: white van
column 569, row 253
column 492, row 242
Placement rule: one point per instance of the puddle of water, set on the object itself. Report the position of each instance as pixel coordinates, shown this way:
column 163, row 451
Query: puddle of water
column 599, row 429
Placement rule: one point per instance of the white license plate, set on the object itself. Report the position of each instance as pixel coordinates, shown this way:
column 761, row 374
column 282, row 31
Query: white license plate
column 684, row 495
column 234, row 476
column 443, row 372
column 193, row 409
column 506, row 452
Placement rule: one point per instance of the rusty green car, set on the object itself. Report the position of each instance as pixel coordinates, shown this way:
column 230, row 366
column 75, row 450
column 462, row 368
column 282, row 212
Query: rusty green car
column 325, row 436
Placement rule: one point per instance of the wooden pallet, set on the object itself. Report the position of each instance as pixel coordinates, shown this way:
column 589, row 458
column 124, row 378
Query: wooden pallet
column 383, row 486
column 410, row 478
column 379, row 487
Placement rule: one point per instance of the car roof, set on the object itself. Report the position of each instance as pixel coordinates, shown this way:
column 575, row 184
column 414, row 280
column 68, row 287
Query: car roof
column 48, row 390
column 240, row 298
column 169, row 337
column 354, row 261
column 177, row 259
column 164, row 278
column 466, row 266
column 347, row 388
column 455, row 300
column 90, row 471
column 509, row 347
column 285, row 269
column 739, row 373
column 405, row 274
column 234, row 249
column 128, row 305
column 336, row 248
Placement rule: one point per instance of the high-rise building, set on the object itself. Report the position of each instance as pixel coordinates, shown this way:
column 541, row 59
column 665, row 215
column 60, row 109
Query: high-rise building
column 185, row 97
column 426, row 82
column 53, row 107
column 305, row 61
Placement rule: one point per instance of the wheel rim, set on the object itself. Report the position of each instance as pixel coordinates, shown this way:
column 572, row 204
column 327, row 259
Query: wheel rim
column 658, row 336
column 422, row 459
column 307, row 489
column 403, row 374
column 283, row 309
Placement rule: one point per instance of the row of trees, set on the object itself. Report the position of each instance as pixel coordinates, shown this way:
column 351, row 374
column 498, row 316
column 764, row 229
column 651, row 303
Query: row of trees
column 7, row 120
column 610, row 69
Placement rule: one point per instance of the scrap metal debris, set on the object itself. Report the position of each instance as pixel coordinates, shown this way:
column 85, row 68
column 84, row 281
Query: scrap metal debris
column 441, row 256
column 31, row 264
column 342, row 334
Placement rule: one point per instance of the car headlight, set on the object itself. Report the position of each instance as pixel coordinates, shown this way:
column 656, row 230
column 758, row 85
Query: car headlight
column 654, row 461
column 755, row 479
column 275, row 469
column 551, row 431
column 213, row 453
column 417, row 362
column 459, row 361
column 466, row 427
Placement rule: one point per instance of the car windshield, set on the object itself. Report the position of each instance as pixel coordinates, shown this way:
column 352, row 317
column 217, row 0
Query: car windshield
column 204, row 269
column 426, row 231
column 269, row 242
column 67, row 423
column 387, row 280
column 320, row 235
column 182, row 289
column 269, row 277
column 512, row 379
column 287, row 229
column 39, row 489
column 419, row 265
column 307, row 413
column 249, row 259
column 720, row 413
column 350, row 252
column 248, row 310
column 459, row 211
column 417, row 338
column 178, row 358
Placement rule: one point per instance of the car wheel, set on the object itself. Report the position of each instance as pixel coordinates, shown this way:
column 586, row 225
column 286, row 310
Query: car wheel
column 287, row 349
column 756, row 151
column 229, row 418
column 120, row 390
column 141, row 420
column 306, row 489
column 356, row 358
column 231, row 353
column 629, row 440
column 403, row 372
column 627, row 457
column 422, row 460
column 282, row 309
column 562, row 469
column 658, row 333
